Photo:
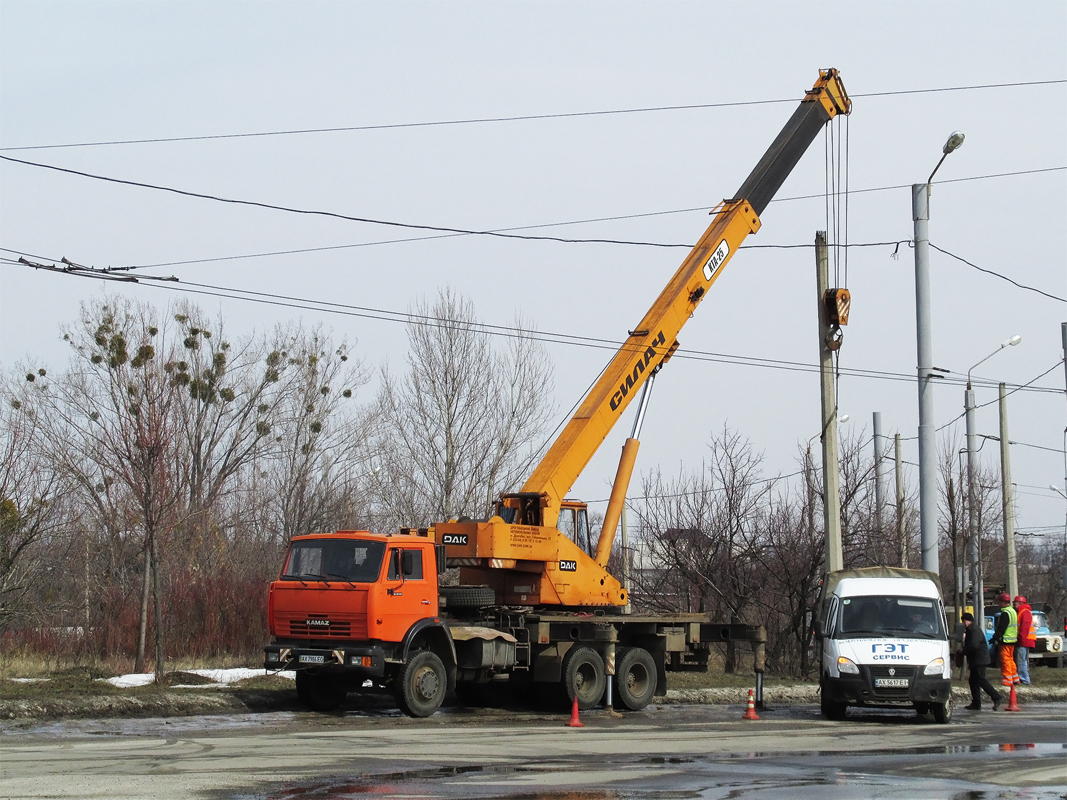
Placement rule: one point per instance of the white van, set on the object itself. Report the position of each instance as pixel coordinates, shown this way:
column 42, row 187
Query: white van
column 884, row 642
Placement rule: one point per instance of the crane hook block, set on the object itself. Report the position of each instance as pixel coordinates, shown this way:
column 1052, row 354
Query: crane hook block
column 838, row 302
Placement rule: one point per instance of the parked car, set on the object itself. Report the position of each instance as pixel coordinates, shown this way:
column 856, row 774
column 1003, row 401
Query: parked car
column 1049, row 647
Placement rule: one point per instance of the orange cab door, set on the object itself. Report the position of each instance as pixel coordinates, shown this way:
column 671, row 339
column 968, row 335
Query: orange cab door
column 409, row 594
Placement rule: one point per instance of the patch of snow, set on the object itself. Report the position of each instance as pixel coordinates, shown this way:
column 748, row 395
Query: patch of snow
column 221, row 677
column 227, row 675
column 29, row 680
column 129, row 681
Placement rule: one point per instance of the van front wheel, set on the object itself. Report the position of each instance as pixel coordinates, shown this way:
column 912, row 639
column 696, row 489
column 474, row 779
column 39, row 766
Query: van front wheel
column 830, row 709
column 942, row 711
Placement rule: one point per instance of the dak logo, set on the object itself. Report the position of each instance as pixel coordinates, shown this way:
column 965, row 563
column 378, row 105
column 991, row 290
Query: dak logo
column 568, row 566
column 454, row 538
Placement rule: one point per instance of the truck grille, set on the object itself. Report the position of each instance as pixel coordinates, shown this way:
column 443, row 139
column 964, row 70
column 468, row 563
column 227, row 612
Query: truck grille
column 306, row 628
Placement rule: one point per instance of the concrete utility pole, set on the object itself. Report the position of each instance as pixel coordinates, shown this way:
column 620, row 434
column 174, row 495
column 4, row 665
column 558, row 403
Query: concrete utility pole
column 901, row 539
column 920, row 215
column 879, row 500
column 1063, row 336
column 975, row 536
column 831, row 477
column 1007, row 503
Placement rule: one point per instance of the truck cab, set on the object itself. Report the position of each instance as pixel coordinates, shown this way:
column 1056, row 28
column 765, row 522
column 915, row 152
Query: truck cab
column 884, row 642
column 353, row 606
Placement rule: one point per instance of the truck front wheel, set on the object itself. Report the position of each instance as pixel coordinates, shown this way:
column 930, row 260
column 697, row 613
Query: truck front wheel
column 583, row 677
column 319, row 692
column 635, row 678
column 421, row 684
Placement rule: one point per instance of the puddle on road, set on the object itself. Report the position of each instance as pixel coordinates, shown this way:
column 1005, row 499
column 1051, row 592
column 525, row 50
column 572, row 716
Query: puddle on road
column 771, row 781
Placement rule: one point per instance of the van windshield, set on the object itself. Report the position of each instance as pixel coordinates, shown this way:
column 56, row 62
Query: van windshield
column 890, row 616
column 352, row 560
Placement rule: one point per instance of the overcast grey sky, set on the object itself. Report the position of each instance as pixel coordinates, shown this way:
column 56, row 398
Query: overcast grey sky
column 103, row 72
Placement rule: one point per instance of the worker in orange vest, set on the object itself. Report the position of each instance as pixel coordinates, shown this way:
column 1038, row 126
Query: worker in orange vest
column 1004, row 638
column 1027, row 639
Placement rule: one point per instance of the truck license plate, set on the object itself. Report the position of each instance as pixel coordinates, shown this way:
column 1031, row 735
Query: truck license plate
column 312, row 659
column 891, row 683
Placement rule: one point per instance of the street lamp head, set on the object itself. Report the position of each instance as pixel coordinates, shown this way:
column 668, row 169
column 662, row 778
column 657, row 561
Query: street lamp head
column 953, row 143
column 1014, row 340
column 843, row 418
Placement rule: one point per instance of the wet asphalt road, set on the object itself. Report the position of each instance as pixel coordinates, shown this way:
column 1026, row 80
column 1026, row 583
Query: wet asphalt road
column 664, row 753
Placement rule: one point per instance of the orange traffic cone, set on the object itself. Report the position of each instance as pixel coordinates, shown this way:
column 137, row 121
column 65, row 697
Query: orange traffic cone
column 574, row 723
column 1013, row 702
column 750, row 712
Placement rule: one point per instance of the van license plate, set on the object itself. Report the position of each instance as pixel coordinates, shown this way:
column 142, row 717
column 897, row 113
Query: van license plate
column 312, row 659
column 891, row 683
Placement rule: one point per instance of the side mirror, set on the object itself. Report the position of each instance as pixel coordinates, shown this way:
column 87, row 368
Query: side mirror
column 817, row 628
column 407, row 563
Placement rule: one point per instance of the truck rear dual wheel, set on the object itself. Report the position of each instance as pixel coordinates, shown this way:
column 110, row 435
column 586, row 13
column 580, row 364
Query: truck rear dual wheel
column 319, row 692
column 584, row 677
column 421, row 684
column 635, row 677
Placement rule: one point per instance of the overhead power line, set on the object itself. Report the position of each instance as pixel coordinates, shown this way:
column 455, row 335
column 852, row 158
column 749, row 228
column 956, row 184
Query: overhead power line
column 997, row 274
column 318, row 213
column 517, row 118
column 548, row 337
column 506, row 233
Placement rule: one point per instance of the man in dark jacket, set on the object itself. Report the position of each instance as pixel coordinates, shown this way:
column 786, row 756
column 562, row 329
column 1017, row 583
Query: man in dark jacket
column 977, row 653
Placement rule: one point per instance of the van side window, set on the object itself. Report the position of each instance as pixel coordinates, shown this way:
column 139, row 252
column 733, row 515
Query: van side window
column 829, row 624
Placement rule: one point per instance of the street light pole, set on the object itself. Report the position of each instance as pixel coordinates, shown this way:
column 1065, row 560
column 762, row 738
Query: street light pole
column 1059, row 491
column 973, row 534
column 920, row 215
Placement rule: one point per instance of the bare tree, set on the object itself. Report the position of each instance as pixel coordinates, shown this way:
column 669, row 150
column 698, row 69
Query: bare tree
column 702, row 532
column 790, row 564
column 112, row 414
column 231, row 394
column 33, row 498
column 459, row 426
column 316, row 459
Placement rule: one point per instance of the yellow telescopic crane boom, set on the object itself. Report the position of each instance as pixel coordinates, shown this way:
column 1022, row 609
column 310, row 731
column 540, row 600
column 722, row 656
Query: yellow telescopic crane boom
column 653, row 340
column 528, row 541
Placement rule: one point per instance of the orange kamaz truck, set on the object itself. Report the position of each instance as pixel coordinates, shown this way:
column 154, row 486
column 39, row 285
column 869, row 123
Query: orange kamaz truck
column 536, row 605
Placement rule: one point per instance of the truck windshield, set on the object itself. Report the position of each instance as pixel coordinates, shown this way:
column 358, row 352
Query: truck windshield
column 352, row 560
column 889, row 616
